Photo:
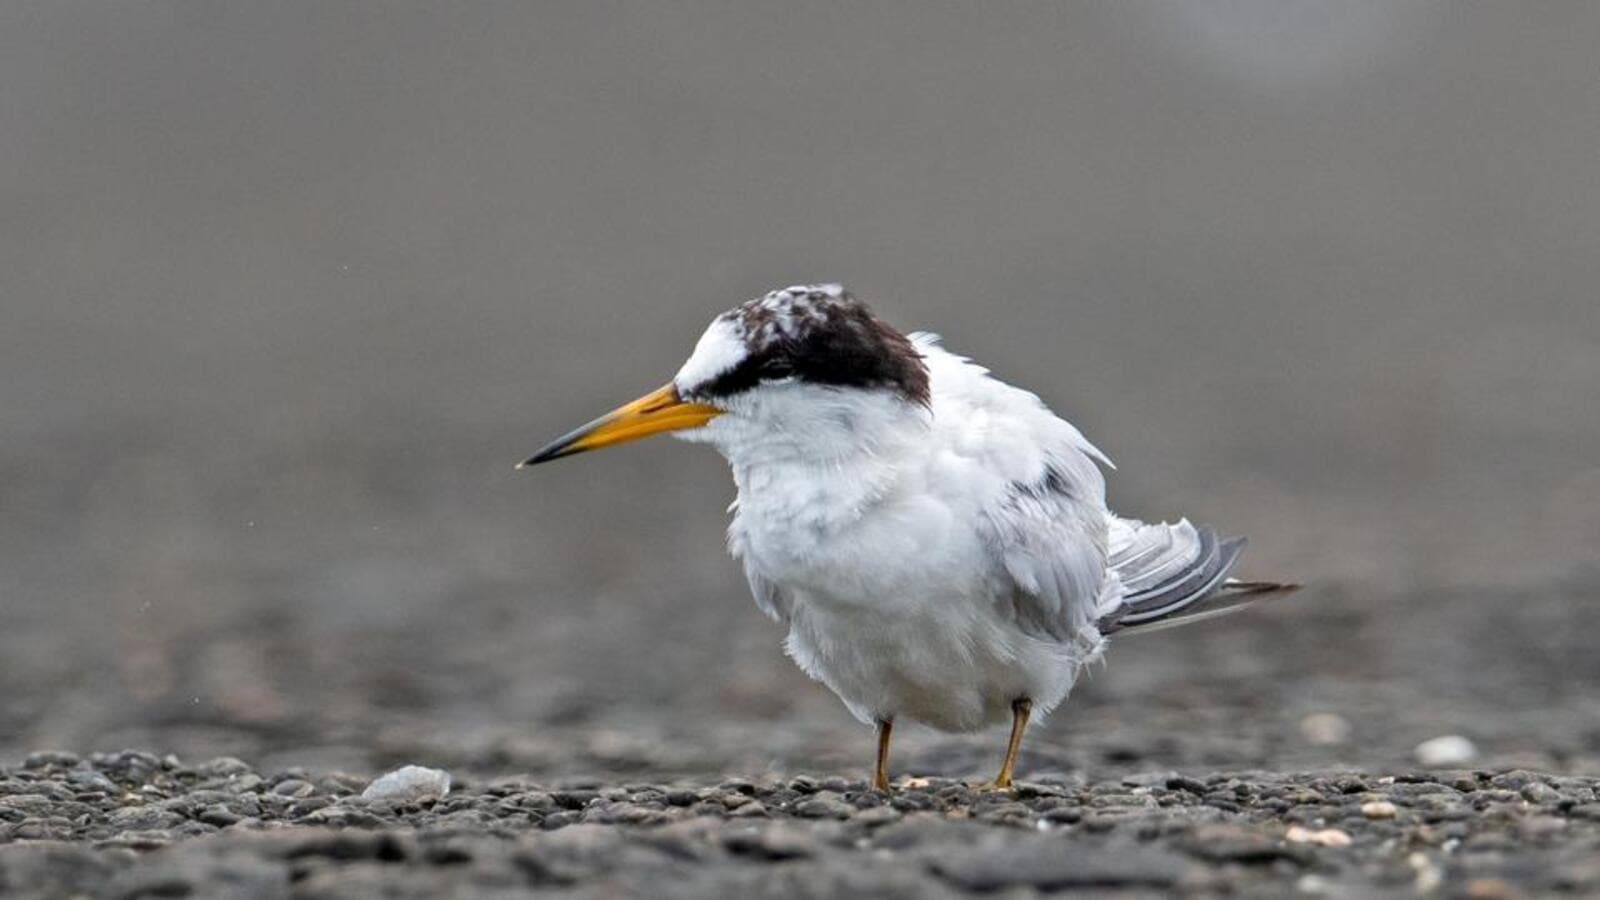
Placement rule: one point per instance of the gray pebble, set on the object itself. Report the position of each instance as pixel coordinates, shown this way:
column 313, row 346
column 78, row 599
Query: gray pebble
column 293, row 787
column 221, row 767
column 1539, row 792
column 825, row 805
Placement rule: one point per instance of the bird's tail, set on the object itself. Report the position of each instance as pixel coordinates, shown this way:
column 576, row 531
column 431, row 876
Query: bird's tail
column 1177, row 574
column 1232, row 596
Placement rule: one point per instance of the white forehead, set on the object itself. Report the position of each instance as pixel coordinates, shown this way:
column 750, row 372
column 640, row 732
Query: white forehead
column 719, row 350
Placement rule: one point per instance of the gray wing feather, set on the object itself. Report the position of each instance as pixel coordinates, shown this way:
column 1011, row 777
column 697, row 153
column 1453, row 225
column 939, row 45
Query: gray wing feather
column 1052, row 545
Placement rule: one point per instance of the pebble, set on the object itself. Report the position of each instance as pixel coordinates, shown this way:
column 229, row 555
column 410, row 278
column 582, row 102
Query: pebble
column 823, row 806
column 221, row 767
column 294, row 787
column 1326, row 837
column 409, row 784
column 1445, row 751
column 1378, row 809
column 1539, row 792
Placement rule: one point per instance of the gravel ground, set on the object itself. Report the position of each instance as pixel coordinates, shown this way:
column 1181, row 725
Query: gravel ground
column 1270, row 753
column 133, row 824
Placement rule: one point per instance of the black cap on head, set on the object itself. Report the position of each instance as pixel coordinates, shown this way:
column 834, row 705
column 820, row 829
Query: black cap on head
column 821, row 335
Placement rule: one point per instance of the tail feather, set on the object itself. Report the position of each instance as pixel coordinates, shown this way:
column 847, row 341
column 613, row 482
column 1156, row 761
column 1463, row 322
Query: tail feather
column 1177, row 574
column 1232, row 597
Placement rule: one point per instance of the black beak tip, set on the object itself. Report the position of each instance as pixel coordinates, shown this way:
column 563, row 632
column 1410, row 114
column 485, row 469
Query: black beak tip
column 554, row 451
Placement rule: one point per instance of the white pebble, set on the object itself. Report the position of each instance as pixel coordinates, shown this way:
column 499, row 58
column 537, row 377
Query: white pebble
column 1379, row 809
column 1327, row 837
column 1325, row 729
column 409, row 784
column 1447, row 750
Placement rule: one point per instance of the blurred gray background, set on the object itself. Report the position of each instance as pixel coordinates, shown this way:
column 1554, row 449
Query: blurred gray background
column 288, row 287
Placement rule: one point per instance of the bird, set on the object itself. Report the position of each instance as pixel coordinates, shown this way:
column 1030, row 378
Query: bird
column 936, row 541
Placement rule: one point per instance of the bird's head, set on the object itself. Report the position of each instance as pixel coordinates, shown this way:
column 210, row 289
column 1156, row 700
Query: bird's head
column 805, row 371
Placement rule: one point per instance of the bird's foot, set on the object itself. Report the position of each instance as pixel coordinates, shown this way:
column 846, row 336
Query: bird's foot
column 995, row 786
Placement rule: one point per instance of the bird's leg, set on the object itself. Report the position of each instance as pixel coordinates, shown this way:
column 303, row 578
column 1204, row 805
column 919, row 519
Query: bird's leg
column 880, row 775
column 1020, row 708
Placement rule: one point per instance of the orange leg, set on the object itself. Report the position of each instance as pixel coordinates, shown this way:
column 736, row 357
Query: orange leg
column 1020, row 709
column 880, row 775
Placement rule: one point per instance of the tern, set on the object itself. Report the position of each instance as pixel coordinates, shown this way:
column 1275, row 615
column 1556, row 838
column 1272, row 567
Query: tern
column 936, row 541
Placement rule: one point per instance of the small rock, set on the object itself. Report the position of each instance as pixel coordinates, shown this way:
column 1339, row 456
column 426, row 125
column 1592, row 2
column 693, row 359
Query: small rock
column 409, row 784
column 734, row 800
column 221, row 767
column 1539, row 792
column 1326, row 729
column 1185, row 783
column 1379, row 809
column 618, row 812
column 294, row 787
column 679, row 798
column 218, row 815
column 823, row 807
column 1445, row 751
column 877, row 815
column 1327, row 837
column 1516, row 779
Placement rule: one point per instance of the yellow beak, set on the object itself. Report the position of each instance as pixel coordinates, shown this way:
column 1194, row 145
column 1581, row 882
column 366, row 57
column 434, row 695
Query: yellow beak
column 658, row 411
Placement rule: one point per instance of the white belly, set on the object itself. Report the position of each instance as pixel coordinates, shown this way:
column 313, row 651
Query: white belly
column 954, row 663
